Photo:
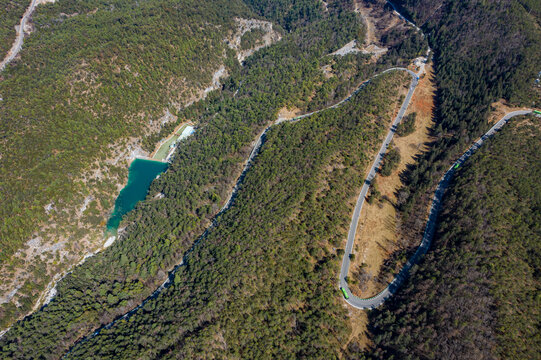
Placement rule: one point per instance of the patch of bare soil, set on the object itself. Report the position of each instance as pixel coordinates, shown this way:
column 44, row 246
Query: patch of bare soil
column 499, row 109
column 371, row 43
column 378, row 21
column 364, row 10
column 289, row 113
column 358, row 334
column 327, row 71
column 350, row 47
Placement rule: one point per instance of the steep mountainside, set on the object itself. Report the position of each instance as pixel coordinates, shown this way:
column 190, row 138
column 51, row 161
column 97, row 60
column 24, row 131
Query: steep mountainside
column 484, row 51
column 92, row 80
column 258, row 279
column 261, row 283
column 477, row 294
column 193, row 190
column 161, row 229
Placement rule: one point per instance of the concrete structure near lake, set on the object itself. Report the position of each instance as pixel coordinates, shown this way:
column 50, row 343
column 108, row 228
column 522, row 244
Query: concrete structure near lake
column 169, row 144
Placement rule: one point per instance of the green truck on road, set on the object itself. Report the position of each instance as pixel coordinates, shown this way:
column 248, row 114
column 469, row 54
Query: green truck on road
column 345, row 293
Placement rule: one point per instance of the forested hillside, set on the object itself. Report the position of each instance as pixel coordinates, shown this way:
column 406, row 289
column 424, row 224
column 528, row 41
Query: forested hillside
column 258, row 280
column 261, row 283
column 484, row 51
column 203, row 172
column 91, row 74
column 194, row 188
column 477, row 294
column 92, row 79
column 10, row 16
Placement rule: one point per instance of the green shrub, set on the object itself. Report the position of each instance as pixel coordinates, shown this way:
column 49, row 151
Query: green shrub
column 407, row 125
column 251, row 39
column 390, row 162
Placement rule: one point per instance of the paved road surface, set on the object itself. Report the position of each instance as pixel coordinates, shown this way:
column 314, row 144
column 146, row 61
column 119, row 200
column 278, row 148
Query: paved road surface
column 377, row 300
column 18, row 43
column 364, row 190
column 261, row 138
column 257, row 146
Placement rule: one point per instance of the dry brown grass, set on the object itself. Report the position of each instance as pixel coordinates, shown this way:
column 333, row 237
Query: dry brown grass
column 378, row 20
column 359, row 321
column 377, row 233
column 289, row 113
column 499, row 109
column 370, row 216
column 370, row 37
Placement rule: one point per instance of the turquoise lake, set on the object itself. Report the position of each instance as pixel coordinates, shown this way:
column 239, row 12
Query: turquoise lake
column 141, row 174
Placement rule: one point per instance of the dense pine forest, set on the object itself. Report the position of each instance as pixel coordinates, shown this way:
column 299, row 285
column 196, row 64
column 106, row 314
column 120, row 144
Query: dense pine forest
column 87, row 73
column 258, row 280
column 477, row 294
column 199, row 180
column 260, row 285
column 200, row 177
column 484, row 51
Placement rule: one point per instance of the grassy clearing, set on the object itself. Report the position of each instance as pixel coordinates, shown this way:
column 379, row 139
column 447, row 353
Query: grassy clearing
column 163, row 149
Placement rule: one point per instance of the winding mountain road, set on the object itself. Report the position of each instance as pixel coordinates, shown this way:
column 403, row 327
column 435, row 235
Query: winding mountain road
column 353, row 300
column 18, row 43
column 255, row 150
column 372, row 302
column 253, row 154
column 431, row 222
column 377, row 300
column 261, row 138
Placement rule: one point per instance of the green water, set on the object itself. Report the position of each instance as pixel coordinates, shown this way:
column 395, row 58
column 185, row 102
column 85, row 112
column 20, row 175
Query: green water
column 142, row 172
